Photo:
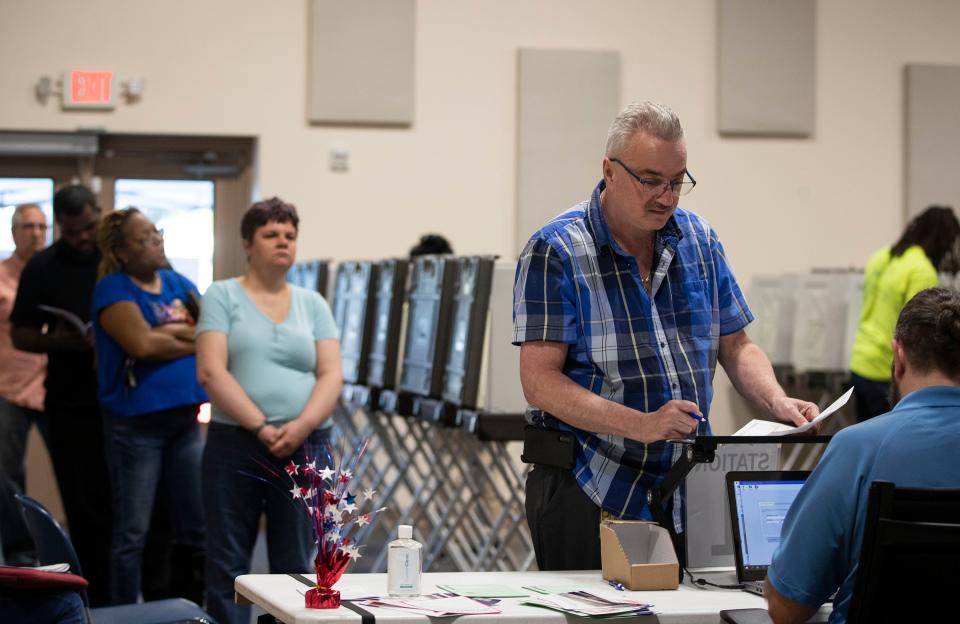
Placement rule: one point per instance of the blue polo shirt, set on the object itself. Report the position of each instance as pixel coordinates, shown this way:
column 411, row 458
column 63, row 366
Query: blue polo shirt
column 575, row 285
column 158, row 384
column 912, row 446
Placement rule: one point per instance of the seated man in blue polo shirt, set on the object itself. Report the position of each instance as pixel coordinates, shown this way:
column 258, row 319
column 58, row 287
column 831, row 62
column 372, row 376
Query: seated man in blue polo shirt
column 913, row 446
column 622, row 306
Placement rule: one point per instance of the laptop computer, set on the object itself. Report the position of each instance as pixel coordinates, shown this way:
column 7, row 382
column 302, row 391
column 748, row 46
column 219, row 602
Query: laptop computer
column 758, row 503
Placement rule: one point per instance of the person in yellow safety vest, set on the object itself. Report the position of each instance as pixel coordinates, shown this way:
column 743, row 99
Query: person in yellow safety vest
column 894, row 274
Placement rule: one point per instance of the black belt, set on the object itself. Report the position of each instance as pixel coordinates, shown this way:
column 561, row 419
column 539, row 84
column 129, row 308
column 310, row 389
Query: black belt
column 365, row 616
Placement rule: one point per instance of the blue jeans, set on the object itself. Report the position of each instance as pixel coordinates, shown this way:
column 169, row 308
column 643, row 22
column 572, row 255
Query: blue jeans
column 153, row 452
column 41, row 606
column 15, row 422
column 237, row 489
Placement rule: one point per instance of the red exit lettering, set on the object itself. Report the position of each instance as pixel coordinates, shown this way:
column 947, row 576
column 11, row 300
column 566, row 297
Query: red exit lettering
column 90, row 87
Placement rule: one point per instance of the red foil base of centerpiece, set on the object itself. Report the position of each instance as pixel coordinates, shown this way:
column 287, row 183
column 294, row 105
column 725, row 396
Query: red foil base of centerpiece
column 317, row 598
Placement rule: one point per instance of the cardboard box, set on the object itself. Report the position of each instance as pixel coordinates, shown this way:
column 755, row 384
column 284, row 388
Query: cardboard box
column 638, row 554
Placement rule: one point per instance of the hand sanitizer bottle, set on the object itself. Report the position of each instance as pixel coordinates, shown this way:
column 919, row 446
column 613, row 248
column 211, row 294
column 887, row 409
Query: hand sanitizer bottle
column 404, row 563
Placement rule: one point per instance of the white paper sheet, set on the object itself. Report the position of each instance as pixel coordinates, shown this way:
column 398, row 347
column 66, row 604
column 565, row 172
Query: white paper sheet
column 767, row 428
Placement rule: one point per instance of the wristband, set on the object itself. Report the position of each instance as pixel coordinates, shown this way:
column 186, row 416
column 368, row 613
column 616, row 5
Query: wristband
column 256, row 430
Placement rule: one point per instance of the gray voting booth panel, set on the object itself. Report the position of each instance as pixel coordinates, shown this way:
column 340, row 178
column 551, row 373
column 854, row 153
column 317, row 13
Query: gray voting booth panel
column 709, row 534
column 471, row 301
column 822, row 334
column 310, row 274
column 341, row 282
column 428, row 325
column 322, row 282
column 357, row 319
column 389, row 285
column 501, row 391
column 500, row 401
column 773, row 301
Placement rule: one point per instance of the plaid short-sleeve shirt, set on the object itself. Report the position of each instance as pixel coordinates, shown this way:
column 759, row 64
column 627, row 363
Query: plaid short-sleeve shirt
column 575, row 285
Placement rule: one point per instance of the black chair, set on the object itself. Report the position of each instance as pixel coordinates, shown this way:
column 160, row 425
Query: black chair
column 908, row 561
column 911, row 549
column 54, row 546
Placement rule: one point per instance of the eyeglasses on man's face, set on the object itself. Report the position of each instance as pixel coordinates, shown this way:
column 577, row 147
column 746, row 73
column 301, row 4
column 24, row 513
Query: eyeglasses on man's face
column 32, row 226
column 657, row 187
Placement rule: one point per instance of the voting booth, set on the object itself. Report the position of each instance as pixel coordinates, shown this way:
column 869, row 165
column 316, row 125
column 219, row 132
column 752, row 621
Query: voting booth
column 354, row 318
column 376, row 328
column 427, row 334
column 773, row 301
column 432, row 388
column 310, row 274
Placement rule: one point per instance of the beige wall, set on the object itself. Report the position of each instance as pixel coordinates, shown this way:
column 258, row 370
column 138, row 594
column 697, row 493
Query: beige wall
column 238, row 67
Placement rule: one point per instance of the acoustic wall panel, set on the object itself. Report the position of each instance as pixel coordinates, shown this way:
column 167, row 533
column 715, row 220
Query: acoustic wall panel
column 767, row 67
column 361, row 62
column 932, row 136
column 566, row 101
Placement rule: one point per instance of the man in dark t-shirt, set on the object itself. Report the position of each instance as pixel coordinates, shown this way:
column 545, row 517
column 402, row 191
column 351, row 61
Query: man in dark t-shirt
column 63, row 276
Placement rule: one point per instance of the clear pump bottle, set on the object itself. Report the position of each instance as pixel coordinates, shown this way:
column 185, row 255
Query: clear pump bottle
column 404, row 563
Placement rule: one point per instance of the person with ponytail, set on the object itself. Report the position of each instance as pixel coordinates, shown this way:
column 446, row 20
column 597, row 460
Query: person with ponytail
column 148, row 391
column 912, row 446
column 893, row 276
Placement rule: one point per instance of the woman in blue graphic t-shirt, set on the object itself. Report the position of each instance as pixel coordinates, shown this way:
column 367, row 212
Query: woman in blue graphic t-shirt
column 148, row 391
column 267, row 352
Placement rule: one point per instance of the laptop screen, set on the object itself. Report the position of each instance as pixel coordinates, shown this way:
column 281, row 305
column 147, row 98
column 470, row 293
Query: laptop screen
column 759, row 502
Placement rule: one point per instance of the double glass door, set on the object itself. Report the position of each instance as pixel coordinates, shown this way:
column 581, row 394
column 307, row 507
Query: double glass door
column 195, row 189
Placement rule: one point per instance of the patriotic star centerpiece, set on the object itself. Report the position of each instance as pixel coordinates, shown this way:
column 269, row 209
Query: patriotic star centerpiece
column 335, row 514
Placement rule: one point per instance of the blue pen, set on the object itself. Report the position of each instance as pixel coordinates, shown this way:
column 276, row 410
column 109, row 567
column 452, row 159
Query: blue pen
column 616, row 585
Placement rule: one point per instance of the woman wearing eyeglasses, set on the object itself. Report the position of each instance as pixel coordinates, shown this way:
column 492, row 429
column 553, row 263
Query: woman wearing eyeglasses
column 148, row 391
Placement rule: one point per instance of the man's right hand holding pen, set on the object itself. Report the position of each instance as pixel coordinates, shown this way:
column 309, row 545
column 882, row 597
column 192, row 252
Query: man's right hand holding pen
column 676, row 419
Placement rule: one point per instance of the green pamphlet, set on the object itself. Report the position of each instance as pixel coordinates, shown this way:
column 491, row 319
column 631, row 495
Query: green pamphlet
column 483, row 591
column 554, row 589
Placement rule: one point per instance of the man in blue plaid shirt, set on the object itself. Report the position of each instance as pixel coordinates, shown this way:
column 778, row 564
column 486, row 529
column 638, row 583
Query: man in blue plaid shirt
column 622, row 307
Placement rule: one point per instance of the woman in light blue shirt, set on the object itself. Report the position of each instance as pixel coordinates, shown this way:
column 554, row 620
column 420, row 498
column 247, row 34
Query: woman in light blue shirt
column 268, row 356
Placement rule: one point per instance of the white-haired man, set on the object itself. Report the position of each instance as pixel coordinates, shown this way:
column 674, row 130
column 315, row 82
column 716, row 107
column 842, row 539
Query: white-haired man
column 21, row 387
column 622, row 307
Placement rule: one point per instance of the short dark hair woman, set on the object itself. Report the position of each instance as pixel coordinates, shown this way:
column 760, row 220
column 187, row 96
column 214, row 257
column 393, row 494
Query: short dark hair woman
column 268, row 354
column 893, row 276
column 148, row 391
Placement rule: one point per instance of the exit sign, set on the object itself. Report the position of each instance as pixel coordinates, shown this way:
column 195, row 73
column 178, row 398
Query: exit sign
column 88, row 89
